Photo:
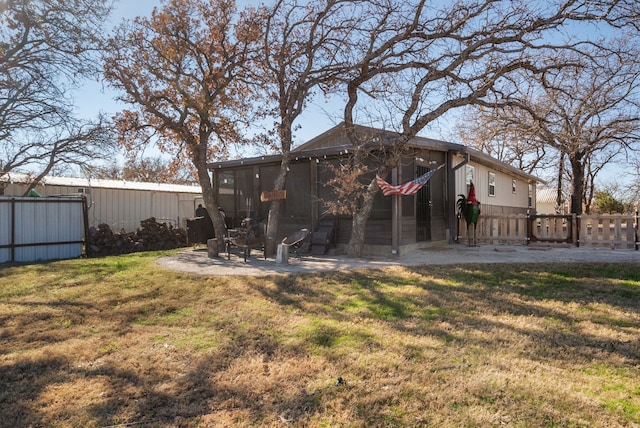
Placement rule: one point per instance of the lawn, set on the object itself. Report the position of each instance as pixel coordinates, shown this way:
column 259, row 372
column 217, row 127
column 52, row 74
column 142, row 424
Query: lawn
column 119, row 341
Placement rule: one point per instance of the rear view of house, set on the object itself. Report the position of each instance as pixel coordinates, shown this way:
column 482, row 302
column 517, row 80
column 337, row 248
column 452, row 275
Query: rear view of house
column 398, row 224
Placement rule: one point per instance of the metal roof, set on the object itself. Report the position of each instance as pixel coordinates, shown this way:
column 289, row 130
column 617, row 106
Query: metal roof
column 310, row 150
column 100, row 183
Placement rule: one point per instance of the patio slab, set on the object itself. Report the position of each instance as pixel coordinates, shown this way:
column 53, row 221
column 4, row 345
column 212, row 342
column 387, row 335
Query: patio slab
column 196, row 261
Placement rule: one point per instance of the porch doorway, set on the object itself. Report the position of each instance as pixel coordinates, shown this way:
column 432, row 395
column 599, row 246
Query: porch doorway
column 423, row 208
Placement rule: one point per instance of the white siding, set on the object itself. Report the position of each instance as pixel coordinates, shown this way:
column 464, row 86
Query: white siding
column 504, row 197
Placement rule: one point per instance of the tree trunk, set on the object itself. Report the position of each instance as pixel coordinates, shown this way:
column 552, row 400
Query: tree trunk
column 577, row 183
column 356, row 243
column 359, row 222
column 211, row 204
column 274, row 208
column 286, row 140
column 210, row 201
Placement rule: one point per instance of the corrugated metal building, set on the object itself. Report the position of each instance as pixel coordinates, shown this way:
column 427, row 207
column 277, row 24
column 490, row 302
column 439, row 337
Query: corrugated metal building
column 120, row 204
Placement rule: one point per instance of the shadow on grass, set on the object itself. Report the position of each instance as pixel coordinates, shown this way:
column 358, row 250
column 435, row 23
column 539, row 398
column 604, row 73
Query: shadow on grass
column 458, row 307
column 143, row 398
column 464, row 302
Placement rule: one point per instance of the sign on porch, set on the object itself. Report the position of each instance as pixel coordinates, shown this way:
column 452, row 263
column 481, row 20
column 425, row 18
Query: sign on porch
column 274, row 195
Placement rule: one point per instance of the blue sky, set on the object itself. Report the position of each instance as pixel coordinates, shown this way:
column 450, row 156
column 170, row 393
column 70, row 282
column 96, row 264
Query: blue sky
column 96, row 97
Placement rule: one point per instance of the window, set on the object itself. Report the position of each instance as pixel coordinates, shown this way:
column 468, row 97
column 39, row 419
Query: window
column 530, row 195
column 492, row 184
column 471, row 171
column 470, row 176
column 513, row 186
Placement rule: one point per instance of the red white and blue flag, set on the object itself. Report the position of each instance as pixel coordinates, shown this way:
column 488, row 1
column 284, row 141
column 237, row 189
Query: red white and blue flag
column 408, row 188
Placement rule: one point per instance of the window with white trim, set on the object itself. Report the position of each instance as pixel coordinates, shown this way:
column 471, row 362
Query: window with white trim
column 492, row 183
column 470, row 175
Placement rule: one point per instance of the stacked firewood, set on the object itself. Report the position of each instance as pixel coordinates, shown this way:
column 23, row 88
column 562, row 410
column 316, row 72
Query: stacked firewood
column 150, row 236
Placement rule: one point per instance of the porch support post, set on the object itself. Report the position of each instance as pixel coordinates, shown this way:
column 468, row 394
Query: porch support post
column 313, row 180
column 450, row 198
column 395, row 215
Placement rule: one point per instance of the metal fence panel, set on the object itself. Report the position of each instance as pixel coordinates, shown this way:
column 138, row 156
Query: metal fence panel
column 41, row 228
column 5, row 232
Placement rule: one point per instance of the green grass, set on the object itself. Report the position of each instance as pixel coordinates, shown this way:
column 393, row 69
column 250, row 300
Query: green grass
column 120, row 340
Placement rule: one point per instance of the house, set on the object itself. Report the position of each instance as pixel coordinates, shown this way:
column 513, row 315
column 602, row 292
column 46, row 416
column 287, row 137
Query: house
column 546, row 201
column 120, row 204
column 398, row 224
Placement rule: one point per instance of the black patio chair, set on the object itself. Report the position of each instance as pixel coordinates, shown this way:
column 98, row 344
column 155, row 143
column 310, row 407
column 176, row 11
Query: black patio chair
column 296, row 239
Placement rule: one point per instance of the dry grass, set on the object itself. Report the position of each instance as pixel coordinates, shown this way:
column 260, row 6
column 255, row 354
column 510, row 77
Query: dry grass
column 119, row 341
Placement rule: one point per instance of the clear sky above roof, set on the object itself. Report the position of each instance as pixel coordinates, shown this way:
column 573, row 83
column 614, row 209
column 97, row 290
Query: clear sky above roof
column 321, row 114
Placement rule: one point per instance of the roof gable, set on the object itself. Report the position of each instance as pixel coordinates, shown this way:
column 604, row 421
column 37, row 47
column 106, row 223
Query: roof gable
column 337, row 137
column 335, row 142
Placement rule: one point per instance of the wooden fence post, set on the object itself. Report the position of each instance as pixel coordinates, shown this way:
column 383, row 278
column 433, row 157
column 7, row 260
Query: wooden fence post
column 528, row 227
column 635, row 227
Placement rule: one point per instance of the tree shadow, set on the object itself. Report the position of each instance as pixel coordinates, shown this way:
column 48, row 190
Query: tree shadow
column 472, row 300
column 236, row 379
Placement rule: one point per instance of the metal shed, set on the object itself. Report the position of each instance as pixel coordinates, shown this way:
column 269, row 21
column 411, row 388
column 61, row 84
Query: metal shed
column 120, row 204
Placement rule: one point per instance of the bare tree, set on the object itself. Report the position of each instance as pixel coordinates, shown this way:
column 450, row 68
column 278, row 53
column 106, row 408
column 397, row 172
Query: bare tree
column 586, row 112
column 630, row 192
column 46, row 47
column 487, row 131
column 181, row 72
column 301, row 54
column 427, row 59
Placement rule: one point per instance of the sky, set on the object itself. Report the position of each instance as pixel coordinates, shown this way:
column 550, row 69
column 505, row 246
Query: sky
column 95, row 97
column 321, row 114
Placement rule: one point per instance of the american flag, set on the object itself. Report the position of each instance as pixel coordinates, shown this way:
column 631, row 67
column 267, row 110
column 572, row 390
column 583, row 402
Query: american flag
column 408, row 188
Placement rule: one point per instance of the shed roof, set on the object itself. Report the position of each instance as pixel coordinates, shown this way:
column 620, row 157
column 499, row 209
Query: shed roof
column 100, row 183
column 546, row 194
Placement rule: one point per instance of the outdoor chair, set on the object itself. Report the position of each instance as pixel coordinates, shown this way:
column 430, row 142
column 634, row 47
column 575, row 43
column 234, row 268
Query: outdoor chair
column 296, row 240
column 249, row 236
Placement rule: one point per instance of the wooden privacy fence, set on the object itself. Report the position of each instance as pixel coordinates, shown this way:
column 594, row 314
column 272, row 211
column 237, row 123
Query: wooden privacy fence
column 604, row 230
column 42, row 228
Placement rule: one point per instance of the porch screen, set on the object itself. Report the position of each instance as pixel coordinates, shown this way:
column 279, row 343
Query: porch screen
column 226, row 192
column 407, row 202
column 298, row 202
column 297, row 206
column 268, row 176
column 381, row 205
column 245, row 197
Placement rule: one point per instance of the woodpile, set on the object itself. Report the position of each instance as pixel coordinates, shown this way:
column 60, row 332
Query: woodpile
column 149, row 237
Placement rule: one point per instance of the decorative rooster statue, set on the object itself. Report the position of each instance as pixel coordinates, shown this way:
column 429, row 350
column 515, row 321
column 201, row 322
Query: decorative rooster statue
column 469, row 209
